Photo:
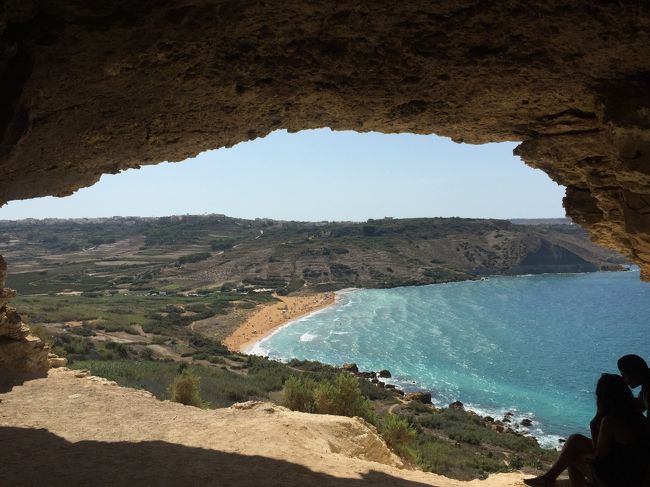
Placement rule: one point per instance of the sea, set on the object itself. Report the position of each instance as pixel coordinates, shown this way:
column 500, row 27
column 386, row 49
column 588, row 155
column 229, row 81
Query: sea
column 531, row 345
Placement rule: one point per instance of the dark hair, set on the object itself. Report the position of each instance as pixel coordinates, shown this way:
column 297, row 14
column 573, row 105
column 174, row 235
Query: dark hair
column 615, row 396
column 632, row 364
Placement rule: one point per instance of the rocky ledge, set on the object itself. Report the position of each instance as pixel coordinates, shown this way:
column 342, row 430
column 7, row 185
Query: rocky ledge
column 86, row 430
column 23, row 356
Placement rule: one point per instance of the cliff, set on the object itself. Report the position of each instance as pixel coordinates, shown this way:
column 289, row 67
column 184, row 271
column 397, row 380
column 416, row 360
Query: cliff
column 80, row 430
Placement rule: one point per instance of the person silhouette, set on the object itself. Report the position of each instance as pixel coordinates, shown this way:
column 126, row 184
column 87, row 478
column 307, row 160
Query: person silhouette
column 617, row 453
column 635, row 373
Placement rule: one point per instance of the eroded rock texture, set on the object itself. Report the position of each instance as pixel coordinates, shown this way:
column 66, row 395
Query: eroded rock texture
column 22, row 355
column 94, row 87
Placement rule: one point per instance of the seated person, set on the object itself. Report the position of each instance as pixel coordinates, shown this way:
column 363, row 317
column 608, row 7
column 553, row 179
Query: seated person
column 617, row 454
column 636, row 373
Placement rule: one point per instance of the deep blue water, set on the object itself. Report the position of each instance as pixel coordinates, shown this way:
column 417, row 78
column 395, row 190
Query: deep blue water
column 533, row 345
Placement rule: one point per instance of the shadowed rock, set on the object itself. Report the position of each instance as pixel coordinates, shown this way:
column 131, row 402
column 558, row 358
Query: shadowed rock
column 91, row 88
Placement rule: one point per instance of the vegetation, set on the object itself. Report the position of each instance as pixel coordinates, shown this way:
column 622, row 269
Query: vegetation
column 113, row 294
column 341, row 396
column 219, row 386
column 400, row 436
column 186, row 388
column 195, row 257
column 143, row 254
column 163, row 315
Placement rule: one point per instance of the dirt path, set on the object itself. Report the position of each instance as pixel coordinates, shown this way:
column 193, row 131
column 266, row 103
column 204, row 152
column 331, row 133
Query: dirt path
column 66, row 430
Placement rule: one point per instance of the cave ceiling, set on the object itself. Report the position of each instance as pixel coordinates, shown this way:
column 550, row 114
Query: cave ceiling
column 88, row 88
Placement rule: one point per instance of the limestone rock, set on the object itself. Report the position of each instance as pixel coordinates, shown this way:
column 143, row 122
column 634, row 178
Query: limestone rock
column 22, row 356
column 102, row 86
column 423, row 397
column 55, row 361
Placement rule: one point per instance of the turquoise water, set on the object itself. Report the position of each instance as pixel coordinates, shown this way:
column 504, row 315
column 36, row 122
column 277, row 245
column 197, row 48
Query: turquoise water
column 533, row 345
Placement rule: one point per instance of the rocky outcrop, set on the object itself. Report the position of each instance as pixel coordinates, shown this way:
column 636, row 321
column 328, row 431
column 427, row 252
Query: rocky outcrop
column 22, row 355
column 89, row 88
column 423, row 397
column 88, row 431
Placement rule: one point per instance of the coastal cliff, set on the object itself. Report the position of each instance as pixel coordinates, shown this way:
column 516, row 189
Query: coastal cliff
column 111, row 435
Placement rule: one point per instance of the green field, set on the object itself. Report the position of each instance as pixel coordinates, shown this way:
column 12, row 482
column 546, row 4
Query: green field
column 120, row 312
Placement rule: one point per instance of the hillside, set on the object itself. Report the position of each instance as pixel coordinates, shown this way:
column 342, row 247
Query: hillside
column 82, row 430
column 185, row 253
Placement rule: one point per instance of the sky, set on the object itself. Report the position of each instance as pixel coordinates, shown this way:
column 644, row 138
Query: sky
column 317, row 175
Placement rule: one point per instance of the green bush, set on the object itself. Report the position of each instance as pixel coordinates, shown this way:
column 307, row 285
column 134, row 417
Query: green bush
column 399, row 435
column 341, row 396
column 196, row 257
column 299, row 394
column 222, row 244
column 186, row 389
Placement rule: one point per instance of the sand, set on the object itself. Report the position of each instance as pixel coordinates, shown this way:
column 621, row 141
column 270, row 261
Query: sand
column 69, row 430
column 268, row 317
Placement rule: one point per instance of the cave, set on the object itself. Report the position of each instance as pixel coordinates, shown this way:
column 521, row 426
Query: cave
column 93, row 88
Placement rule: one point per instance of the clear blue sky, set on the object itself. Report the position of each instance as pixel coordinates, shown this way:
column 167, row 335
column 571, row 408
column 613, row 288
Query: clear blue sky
column 321, row 175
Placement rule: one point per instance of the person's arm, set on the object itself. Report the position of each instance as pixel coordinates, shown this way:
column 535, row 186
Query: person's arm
column 605, row 437
column 594, row 426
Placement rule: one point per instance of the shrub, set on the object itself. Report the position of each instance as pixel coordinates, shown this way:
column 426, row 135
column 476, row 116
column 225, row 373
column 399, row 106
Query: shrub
column 196, row 257
column 299, row 394
column 516, row 462
column 342, row 397
column 186, row 389
column 222, row 244
column 399, row 435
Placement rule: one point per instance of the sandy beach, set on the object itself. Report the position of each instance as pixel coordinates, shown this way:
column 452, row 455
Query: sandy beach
column 268, row 317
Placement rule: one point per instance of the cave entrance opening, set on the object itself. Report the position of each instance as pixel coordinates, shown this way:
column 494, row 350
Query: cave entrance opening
column 317, row 175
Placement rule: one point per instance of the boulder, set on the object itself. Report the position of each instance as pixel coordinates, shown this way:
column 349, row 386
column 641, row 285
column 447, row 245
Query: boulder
column 56, row 362
column 526, row 422
column 385, row 374
column 457, row 405
column 351, row 368
column 423, row 397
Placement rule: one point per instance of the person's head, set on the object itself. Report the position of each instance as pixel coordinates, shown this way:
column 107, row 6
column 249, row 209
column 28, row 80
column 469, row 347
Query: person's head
column 613, row 395
column 633, row 369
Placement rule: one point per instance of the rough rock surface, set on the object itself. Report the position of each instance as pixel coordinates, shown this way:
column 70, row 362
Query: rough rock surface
column 89, row 89
column 94, row 87
column 22, row 356
column 88, row 431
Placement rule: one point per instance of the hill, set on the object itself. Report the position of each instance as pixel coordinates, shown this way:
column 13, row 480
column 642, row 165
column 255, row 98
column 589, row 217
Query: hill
column 186, row 253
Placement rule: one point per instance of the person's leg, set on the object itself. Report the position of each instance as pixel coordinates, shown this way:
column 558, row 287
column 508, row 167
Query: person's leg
column 580, row 470
column 573, row 452
column 575, row 446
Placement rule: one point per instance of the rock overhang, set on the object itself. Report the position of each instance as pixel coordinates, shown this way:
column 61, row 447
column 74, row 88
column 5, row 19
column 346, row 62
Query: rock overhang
column 91, row 88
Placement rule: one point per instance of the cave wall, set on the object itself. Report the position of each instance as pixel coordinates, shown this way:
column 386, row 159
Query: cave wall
column 22, row 355
column 88, row 88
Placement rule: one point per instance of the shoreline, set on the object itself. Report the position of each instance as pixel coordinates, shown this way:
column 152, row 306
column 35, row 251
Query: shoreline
column 268, row 318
